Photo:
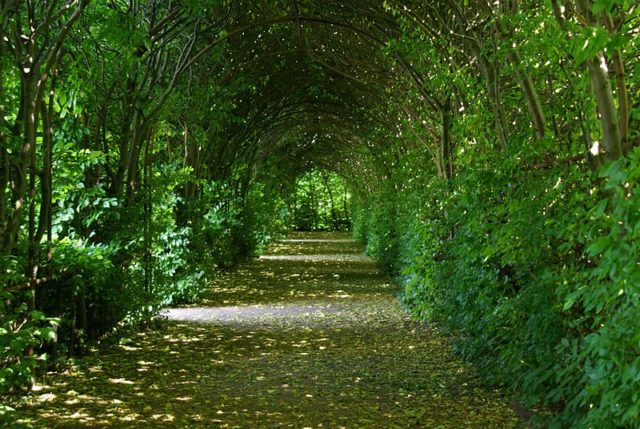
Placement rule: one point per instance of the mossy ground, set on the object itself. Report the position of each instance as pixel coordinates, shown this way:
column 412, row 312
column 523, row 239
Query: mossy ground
column 310, row 335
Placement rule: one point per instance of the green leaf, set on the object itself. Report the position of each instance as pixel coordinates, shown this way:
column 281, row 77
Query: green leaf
column 598, row 246
column 572, row 298
column 600, row 6
column 48, row 334
column 599, row 210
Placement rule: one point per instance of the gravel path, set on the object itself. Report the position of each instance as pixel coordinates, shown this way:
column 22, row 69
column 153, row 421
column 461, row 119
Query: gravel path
column 308, row 336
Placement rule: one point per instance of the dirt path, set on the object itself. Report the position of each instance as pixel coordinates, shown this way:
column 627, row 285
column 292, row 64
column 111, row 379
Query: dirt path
column 310, row 335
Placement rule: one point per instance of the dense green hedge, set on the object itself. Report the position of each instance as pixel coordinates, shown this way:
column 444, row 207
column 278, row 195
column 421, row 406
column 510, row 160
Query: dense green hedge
column 534, row 273
column 117, row 269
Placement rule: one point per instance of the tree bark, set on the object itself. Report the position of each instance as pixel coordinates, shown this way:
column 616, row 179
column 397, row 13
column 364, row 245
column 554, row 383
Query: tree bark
column 623, row 98
column 334, row 214
column 530, row 94
column 446, row 148
column 601, row 87
column 611, row 138
column 490, row 75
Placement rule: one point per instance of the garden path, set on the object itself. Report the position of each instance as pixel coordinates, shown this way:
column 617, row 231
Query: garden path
column 309, row 335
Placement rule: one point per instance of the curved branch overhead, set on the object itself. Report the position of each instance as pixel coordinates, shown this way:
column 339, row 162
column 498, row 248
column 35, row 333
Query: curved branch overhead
column 319, row 72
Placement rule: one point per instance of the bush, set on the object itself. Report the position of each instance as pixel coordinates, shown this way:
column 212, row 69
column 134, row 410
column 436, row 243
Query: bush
column 533, row 274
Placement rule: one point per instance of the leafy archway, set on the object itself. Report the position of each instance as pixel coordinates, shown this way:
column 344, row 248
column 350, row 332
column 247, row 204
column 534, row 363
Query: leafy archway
column 490, row 150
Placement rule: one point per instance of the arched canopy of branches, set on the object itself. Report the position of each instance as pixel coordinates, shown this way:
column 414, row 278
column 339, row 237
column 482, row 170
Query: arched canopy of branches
column 490, row 149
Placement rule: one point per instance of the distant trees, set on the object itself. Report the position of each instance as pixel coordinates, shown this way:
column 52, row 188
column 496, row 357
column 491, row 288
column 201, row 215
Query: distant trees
column 321, row 202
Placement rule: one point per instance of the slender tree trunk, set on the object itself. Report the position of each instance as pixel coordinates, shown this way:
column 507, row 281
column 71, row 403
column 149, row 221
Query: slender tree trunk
column 148, row 215
column 314, row 205
column 28, row 161
column 446, row 148
column 45, row 214
column 506, row 31
column 82, row 309
column 44, row 219
column 334, row 214
column 601, row 85
column 4, row 154
column 138, row 139
column 74, row 331
column 490, row 75
column 129, row 123
column 554, row 120
column 623, row 98
column 187, row 159
column 345, row 205
column 18, row 173
column 530, row 94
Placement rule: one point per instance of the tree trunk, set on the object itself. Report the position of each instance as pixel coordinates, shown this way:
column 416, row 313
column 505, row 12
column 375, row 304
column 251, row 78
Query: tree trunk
column 148, row 219
column 601, row 85
column 446, row 148
column 530, row 94
column 138, row 138
column 623, row 98
column 28, row 158
column 4, row 142
column 345, row 205
column 490, row 75
column 334, row 214
column 44, row 218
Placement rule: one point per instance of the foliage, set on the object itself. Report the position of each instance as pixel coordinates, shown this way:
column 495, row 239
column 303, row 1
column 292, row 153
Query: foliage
column 486, row 154
column 600, row 295
column 21, row 331
column 540, row 300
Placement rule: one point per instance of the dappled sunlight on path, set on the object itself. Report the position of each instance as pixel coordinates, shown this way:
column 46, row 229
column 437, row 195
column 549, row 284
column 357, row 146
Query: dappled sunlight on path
column 309, row 335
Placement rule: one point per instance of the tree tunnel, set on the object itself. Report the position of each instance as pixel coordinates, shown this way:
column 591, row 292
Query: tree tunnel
column 484, row 152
